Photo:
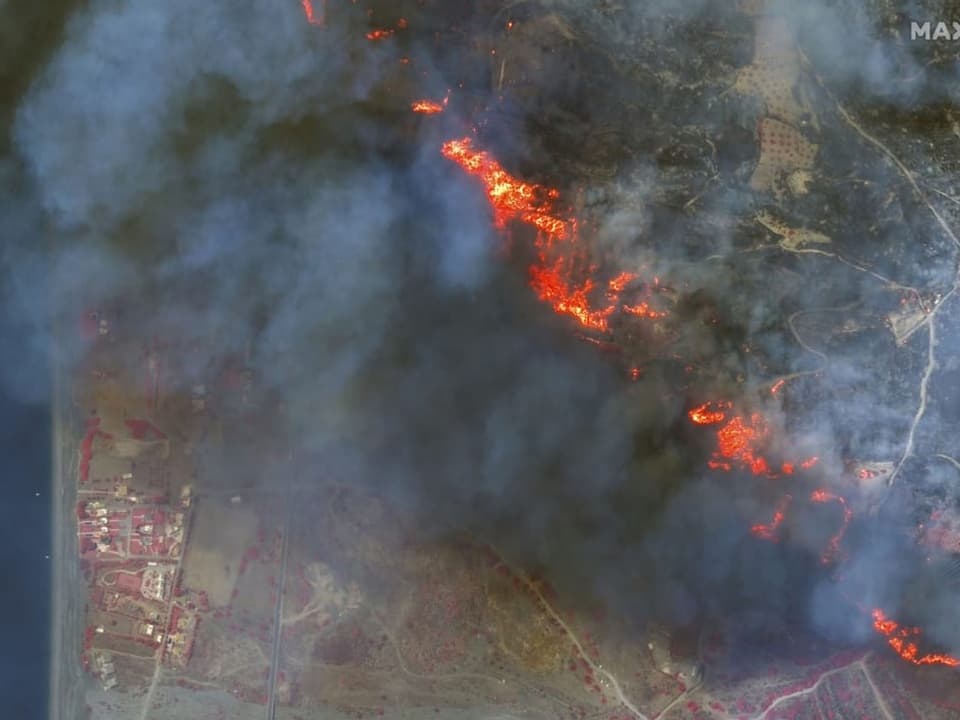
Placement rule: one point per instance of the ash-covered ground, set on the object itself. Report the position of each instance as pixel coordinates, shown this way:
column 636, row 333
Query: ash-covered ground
column 780, row 182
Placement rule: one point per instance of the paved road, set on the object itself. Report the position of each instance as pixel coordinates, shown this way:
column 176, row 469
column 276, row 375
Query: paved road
column 278, row 613
column 67, row 680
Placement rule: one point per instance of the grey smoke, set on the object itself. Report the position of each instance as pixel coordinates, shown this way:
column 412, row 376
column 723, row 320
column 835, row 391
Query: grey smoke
column 234, row 171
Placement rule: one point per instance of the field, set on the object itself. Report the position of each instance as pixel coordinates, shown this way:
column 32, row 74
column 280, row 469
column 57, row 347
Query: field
column 222, row 532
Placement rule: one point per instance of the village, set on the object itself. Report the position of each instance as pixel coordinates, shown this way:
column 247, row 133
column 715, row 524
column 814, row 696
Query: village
column 134, row 502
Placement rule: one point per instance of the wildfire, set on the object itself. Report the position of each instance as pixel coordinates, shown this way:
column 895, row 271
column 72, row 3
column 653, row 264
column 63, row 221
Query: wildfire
column 430, row 107
column 510, row 198
column 380, row 34
column 769, row 532
column 552, row 275
column 384, row 33
column 899, row 638
column 427, row 107
column 739, row 440
column 710, row 413
column 643, row 310
column 832, row 550
column 308, row 11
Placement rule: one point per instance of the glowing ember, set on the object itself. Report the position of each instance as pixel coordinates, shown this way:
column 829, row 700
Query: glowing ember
column 510, row 198
column 550, row 284
column 619, row 284
column 709, row 413
column 769, row 532
column 312, row 18
column 643, row 310
column 381, row 34
column 552, row 275
column 384, row 33
column 832, row 550
column 739, row 441
column 899, row 638
column 430, row 107
column 427, row 107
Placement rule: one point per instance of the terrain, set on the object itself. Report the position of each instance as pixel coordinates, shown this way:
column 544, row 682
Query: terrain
column 343, row 502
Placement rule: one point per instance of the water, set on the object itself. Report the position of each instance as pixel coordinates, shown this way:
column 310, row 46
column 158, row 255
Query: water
column 25, row 551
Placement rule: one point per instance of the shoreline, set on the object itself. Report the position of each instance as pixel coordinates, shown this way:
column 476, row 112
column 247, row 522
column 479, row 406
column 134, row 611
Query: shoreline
column 65, row 701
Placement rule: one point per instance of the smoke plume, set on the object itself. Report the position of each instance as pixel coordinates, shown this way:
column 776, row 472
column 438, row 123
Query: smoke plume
column 238, row 178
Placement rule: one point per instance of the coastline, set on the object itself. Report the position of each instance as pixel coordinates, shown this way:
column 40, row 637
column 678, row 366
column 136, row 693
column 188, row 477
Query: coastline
column 66, row 679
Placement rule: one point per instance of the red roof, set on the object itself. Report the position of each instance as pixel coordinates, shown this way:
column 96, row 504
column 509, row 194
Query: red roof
column 144, row 429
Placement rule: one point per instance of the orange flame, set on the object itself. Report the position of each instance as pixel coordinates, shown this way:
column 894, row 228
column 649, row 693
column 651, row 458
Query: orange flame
column 769, row 532
column 643, row 310
column 740, row 440
column 509, row 197
column 383, row 33
column 312, row 18
column 427, row 107
column 899, row 639
column 380, row 34
column 707, row 415
column 552, row 276
column 832, row 550
column 430, row 107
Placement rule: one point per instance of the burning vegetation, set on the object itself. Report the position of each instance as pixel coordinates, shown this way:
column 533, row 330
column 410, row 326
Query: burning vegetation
column 556, row 277
column 769, row 531
column 903, row 640
column 740, row 440
column 313, row 17
column 564, row 277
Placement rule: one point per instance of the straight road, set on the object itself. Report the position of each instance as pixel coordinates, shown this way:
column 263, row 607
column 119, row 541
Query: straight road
column 278, row 611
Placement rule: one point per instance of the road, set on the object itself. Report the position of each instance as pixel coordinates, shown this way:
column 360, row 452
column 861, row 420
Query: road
column 158, row 656
column 278, row 612
column 67, row 680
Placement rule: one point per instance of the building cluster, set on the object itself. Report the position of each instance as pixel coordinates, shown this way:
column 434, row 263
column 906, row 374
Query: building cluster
column 179, row 641
column 131, row 539
column 104, row 669
column 107, row 531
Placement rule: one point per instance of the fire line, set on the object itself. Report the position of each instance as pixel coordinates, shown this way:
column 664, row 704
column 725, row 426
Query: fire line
column 832, row 550
column 769, row 532
column 899, row 638
column 308, row 11
column 553, row 277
